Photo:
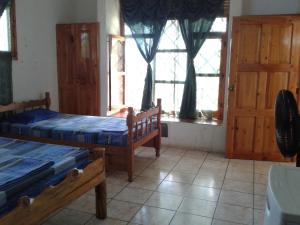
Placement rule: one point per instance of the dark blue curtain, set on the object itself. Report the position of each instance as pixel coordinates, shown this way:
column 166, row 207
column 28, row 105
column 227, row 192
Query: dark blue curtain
column 5, row 78
column 194, row 34
column 146, row 29
column 3, row 4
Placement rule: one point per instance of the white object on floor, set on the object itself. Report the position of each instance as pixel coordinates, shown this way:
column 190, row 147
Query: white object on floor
column 283, row 196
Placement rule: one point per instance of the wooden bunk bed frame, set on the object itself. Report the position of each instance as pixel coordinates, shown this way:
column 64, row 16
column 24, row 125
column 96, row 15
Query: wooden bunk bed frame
column 139, row 134
column 78, row 182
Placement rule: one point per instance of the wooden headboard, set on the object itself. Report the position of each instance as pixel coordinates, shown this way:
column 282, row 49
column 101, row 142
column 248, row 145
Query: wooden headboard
column 24, row 105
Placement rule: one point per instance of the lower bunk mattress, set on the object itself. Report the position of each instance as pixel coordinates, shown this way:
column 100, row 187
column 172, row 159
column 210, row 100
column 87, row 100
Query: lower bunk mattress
column 27, row 168
column 42, row 123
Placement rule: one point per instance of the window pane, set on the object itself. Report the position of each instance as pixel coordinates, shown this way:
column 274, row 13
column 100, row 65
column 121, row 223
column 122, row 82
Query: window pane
column 136, row 69
column 166, row 93
column 220, row 25
column 171, row 37
column 5, row 31
column 209, row 57
column 170, row 66
column 178, row 96
column 207, row 93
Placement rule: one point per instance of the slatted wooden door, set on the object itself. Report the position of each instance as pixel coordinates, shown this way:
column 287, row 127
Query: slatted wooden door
column 265, row 59
column 78, row 68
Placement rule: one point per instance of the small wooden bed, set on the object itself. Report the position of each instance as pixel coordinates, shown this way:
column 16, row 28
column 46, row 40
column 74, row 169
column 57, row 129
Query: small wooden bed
column 141, row 132
column 78, row 182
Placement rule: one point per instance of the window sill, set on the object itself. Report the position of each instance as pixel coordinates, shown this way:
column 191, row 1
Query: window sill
column 203, row 121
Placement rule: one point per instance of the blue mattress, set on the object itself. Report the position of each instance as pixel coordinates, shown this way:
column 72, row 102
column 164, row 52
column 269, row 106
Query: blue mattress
column 31, row 167
column 77, row 128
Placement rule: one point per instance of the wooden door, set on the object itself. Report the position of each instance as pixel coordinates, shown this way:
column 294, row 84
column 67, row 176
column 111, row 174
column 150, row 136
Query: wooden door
column 78, row 68
column 265, row 59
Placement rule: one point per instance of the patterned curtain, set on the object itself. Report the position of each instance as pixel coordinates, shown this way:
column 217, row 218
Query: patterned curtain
column 3, row 4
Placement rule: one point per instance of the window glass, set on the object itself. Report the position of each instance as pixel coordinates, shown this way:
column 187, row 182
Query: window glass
column 208, row 58
column 207, row 93
column 220, row 25
column 136, row 68
column 5, row 31
column 170, row 66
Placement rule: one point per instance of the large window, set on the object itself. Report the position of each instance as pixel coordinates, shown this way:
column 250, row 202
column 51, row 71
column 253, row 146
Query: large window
column 169, row 67
column 8, row 30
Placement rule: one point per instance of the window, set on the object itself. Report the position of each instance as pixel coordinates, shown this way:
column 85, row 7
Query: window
column 8, row 30
column 169, row 69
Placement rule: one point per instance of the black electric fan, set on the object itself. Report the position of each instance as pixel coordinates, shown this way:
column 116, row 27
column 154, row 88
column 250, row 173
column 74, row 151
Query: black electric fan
column 287, row 125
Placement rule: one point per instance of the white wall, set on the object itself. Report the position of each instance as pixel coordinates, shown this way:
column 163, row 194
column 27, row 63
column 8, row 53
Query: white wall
column 35, row 70
column 108, row 17
column 265, row 7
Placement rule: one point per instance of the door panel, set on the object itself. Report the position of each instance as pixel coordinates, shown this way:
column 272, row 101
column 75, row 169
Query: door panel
column 249, row 38
column 244, row 134
column 265, row 59
column 275, row 82
column 246, row 90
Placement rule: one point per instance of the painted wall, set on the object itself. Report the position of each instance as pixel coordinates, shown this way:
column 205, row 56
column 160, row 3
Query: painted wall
column 35, row 71
column 265, row 7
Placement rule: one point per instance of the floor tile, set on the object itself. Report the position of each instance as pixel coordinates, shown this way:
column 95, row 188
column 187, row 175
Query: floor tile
column 85, row 203
column 259, row 201
column 236, row 198
column 236, row 214
column 155, row 173
column 153, row 216
column 187, row 168
column 239, row 176
column 217, row 156
column 259, row 217
column 260, row 189
column 240, row 186
column 69, row 217
column 122, row 210
column 165, row 201
column 181, row 177
column 118, row 177
column 134, row 195
column 108, row 221
column 113, row 189
column 198, row 207
column 162, row 164
column 260, row 178
column 196, row 154
column 173, row 188
column 204, row 193
column 208, row 181
column 221, row 222
column 188, row 219
column 214, row 164
column 147, row 183
column 213, row 172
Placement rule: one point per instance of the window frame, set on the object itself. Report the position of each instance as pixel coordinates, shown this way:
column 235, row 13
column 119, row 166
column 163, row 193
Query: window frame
column 13, row 30
column 223, row 36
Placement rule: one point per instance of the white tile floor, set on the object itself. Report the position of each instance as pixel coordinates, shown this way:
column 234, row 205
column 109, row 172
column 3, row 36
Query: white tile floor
column 182, row 187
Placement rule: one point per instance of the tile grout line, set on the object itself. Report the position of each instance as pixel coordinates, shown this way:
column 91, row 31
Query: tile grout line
column 220, row 192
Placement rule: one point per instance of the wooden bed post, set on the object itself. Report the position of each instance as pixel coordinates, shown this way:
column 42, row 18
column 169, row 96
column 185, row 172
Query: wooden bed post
column 100, row 191
column 158, row 137
column 130, row 150
column 47, row 100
